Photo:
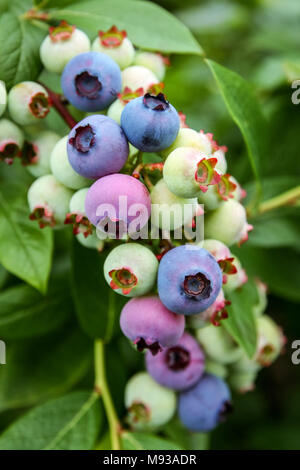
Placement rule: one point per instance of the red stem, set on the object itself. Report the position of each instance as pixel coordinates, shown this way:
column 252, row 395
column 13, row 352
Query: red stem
column 56, row 102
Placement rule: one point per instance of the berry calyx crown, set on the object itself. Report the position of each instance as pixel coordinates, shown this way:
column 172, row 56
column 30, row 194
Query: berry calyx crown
column 112, row 38
column 62, row 32
column 123, row 278
column 206, row 174
column 39, row 105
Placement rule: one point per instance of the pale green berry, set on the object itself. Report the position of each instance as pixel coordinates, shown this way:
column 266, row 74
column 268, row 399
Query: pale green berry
column 221, row 166
column 149, row 405
column 61, row 168
column 115, row 110
column 122, row 54
column 11, row 140
column 262, row 299
column 131, row 269
column 243, row 374
column 215, row 368
column 226, row 223
column 218, row 344
column 92, row 241
column 136, row 76
column 270, row 340
column 3, row 97
column 153, row 61
column 211, row 199
column 180, row 169
column 56, row 51
column 28, row 102
column 218, row 249
column 42, row 142
column 77, row 201
column 168, row 210
column 49, row 201
column 187, row 137
column 234, row 281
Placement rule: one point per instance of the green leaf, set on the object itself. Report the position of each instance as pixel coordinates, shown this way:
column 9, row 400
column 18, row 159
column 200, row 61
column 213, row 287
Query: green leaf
column 25, row 313
column 19, row 54
column 278, row 268
column 25, row 249
column 97, row 306
column 245, row 111
column 39, row 369
column 148, row 25
column 71, row 422
column 141, row 441
column 240, row 322
column 175, row 431
column 276, row 228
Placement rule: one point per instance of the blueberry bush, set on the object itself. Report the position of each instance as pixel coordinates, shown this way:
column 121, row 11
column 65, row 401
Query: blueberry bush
column 115, row 340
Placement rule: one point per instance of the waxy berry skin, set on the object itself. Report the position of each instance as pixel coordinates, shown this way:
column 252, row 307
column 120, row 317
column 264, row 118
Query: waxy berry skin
column 113, row 190
column 11, row 140
column 61, row 46
column 61, row 168
column 130, row 269
column 189, row 280
column 150, row 325
column 226, row 223
column 170, row 211
column 190, row 138
column 47, row 194
column 42, row 143
column 91, row 81
column 152, row 61
column 97, row 147
column 136, row 76
column 149, row 405
column 210, row 315
column 116, row 45
column 218, row 344
column 3, row 97
column 28, row 102
column 178, row 367
column 150, row 122
column 204, row 406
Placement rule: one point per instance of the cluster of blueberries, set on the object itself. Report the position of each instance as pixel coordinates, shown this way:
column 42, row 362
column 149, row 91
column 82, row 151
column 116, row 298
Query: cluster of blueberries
column 188, row 349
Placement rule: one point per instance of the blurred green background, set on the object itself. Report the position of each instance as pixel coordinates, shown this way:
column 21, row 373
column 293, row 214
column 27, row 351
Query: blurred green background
column 260, row 40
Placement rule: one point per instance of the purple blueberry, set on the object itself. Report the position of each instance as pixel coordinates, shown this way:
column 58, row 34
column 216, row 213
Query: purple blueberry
column 189, row 279
column 111, row 199
column 91, row 81
column 205, row 405
column 97, row 146
column 149, row 325
column 150, row 123
column 178, row 367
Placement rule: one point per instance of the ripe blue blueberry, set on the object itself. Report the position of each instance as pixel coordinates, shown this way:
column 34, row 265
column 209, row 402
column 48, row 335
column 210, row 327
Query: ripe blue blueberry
column 131, row 269
column 189, row 280
column 150, row 122
column 150, row 325
column 97, row 147
column 178, row 367
column 91, row 81
column 204, row 406
column 149, row 405
column 116, row 203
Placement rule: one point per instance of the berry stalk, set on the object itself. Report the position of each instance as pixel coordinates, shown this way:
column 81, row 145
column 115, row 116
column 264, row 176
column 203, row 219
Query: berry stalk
column 288, row 198
column 58, row 104
column 102, row 389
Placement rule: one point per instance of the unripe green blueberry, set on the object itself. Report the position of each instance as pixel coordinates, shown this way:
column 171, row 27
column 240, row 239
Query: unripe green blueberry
column 221, row 166
column 234, row 281
column 3, row 97
column 36, row 154
column 212, row 315
column 187, row 137
column 28, row 102
column 218, row 249
column 168, row 210
column 115, row 44
column 215, row 368
column 188, row 171
column 11, row 140
column 61, row 168
column 226, row 223
column 211, row 199
column 153, row 61
column 48, row 201
column 218, row 344
column 270, row 341
column 136, row 76
column 115, row 110
column 131, row 269
column 239, row 192
column 62, row 44
column 243, row 374
column 92, row 241
column 149, row 405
